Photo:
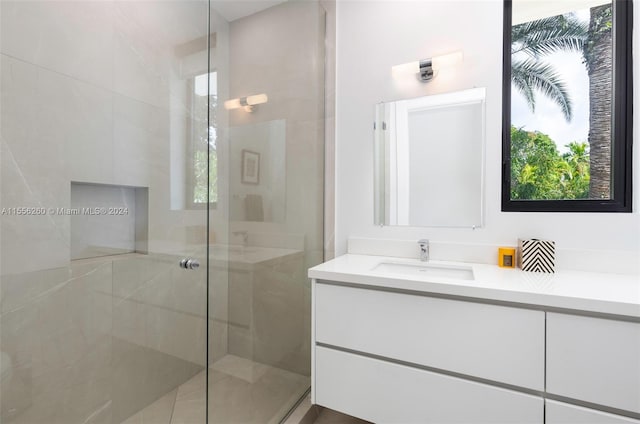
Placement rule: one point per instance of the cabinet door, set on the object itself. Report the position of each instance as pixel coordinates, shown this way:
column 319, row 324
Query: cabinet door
column 563, row 413
column 385, row 392
column 493, row 342
column 595, row 360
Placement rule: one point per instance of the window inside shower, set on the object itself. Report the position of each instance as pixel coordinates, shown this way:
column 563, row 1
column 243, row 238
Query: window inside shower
column 204, row 129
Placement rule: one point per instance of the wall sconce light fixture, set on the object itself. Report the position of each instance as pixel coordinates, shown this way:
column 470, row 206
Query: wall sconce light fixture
column 425, row 69
column 247, row 103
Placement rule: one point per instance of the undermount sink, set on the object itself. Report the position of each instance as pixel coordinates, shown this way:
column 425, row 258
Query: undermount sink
column 459, row 272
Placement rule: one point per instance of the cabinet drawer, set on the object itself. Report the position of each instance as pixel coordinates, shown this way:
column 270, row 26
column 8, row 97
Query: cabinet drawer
column 563, row 413
column 487, row 341
column 595, row 360
column 385, row 392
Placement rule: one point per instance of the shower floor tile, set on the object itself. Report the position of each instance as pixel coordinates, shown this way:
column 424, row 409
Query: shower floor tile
column 159, row 412
column 241, row 392
column 241, row 368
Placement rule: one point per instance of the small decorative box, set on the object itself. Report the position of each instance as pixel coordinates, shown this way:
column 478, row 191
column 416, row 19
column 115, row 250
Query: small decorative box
column 507, row 257
column 537, row 255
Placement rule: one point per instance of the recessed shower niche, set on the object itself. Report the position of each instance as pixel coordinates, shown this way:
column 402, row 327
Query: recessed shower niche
column 108, row 219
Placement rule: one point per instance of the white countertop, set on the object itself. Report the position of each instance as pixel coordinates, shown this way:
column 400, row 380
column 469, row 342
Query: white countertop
column 584, row 291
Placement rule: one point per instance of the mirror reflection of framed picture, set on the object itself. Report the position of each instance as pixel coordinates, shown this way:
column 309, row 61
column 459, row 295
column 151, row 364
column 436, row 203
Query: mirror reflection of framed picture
column 250, row 167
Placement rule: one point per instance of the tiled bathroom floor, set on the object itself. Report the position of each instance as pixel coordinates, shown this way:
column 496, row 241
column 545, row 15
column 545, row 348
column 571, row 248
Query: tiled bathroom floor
column 241, row 391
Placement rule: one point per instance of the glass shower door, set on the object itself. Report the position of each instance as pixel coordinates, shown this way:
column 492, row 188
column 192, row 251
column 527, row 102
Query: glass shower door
column 269, row 222
column 108, row 173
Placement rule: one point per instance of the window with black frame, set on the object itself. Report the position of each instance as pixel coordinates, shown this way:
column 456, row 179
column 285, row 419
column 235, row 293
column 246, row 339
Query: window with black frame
column 567, row 103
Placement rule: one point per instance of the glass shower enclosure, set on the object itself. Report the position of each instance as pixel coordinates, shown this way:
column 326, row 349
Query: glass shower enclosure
column 161, row 197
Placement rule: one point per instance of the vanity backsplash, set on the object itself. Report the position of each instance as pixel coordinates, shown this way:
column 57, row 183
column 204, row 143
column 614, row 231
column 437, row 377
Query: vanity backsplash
column 591, row 260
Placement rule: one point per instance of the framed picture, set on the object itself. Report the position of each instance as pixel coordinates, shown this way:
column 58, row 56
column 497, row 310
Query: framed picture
column 250, row 167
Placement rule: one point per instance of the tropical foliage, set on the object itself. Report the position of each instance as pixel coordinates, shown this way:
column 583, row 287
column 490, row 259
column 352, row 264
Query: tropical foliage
column 540, row 172
column 204, row 132
column 530, row 41
column 200, row 177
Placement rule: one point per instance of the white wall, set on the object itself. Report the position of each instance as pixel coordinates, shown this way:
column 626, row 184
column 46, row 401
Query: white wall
column 372, row 36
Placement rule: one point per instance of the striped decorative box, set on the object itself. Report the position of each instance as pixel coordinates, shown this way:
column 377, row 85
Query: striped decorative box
column 537, row 255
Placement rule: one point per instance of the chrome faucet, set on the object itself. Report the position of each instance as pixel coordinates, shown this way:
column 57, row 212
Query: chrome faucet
column 424, row 249
column 245, row 237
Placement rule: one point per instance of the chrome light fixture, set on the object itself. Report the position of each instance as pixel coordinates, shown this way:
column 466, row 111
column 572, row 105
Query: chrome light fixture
column 426, row 69
column 246, row 103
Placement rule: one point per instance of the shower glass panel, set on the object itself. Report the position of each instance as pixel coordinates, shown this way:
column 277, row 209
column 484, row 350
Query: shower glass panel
column 103, row 131
column 129, row 142
column 270, row 174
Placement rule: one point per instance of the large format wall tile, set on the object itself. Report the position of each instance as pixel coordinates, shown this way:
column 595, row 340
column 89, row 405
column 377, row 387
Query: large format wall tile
column 79, row 352
column 160, row 306
column 58, row 341
column 32, row 172
column 177, row 334
column 268, row 309
column 140, row 142
column 279, row 312
column 70, row 37
column 89, row 138
column 149, row 46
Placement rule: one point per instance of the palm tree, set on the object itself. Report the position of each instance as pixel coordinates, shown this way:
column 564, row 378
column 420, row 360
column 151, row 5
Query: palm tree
column 598, row 56
column 530, row 41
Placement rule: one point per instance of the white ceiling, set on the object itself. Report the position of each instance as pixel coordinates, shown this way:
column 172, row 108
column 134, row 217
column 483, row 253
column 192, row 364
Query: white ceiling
column 236, row 9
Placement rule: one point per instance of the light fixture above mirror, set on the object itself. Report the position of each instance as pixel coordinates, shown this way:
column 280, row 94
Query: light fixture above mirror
column 426, row 69
column 247, row 103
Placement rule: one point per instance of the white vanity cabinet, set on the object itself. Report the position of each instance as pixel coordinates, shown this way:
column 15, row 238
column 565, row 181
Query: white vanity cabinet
column 393, row 357
column 491, row 342
column 400, row 346
column 564, row 413
column 391, row 353
column 385, row 392
column 594, row 360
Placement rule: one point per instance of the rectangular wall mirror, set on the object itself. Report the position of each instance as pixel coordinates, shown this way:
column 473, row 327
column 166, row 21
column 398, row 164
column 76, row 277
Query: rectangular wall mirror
column 429, row 160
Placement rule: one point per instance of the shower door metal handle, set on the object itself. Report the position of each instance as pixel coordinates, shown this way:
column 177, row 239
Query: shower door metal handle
column 189, row 263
